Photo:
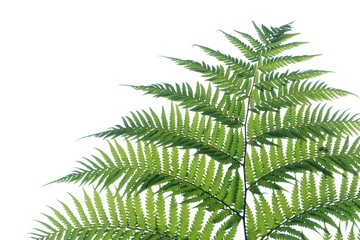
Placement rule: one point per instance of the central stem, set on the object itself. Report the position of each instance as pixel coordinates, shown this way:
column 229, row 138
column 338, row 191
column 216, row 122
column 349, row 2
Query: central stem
column 255, row 80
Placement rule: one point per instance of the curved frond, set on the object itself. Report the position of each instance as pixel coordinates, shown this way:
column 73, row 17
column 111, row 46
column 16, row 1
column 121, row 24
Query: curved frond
column 274, row 36
column 118, row 218
column 202, row 100
column 274, row 63
column 197, row 133
column 301, row 123
column 276, row 50
column 250, row 53
column 138, row 169
column 224, row 78
column 294, row 93
column 255, row 44
column 270, row 168
column 274, row 80
column 242, row 68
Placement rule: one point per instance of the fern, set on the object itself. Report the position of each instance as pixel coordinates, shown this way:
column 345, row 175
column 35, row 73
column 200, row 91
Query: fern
column 258, row 150
column 119, row 218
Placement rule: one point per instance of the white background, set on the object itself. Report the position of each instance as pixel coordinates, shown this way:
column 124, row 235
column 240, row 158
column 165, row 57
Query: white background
column 61, row 63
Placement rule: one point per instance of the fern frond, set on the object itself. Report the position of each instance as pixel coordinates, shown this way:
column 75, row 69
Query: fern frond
column 275, row 80
column 250, row 53
column 251, row 148
column 273, row 36
column 274, row 63
column 301, row 123
column 255, row 44
column 145, row 167
column 306, row 213
column 105, row 224
column 276, row 50
column 294, row 93
column 201, row 100
column 197, row 133
column 242, row 68
column 224, row 78
column 270, row 167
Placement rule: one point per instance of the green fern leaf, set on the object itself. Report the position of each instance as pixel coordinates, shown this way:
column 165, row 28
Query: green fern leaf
column 251, row 150
column 272, row 64
column 197, row 102
column 248, row 52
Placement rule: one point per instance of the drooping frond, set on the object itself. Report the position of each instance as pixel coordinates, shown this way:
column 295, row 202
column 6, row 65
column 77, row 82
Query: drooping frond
column 227, row 109
column 138, row 169
column 118, row 218
column 200, row 133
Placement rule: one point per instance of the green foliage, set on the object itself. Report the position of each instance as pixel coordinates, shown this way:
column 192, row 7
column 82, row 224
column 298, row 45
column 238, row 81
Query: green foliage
column 259, row 148
column 121, row 218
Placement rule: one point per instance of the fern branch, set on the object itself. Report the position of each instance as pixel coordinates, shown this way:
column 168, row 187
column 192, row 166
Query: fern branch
column 296, row 94
column 270, row 167
column 301, row 123
column 272, row 64
column 276, row 50
column 250, row 53
column 130, row 222
column 139, row 172
column 228, row 81
column 201, row 100
column 186, row 134
column 275, row 80
column 253, row 41
column 241, row 67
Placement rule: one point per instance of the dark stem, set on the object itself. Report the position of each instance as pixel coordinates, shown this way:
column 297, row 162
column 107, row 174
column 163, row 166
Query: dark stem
column 246, row 189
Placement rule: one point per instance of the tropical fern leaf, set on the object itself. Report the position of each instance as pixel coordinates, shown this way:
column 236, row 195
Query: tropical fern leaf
column 197, row 133
column 274, row 80
column 240, row 67
column 293, row 94
column 270, row 168
column 224, row 78
column 228, row 110
column 303, row 123
column 250, row 53
column 138, row 169
column 257, row 147
column 276, row 50
column 274, row 63
column 117, row 218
